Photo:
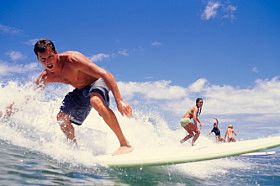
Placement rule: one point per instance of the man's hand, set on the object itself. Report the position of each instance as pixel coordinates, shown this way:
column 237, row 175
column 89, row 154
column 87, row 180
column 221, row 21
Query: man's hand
column 10, row 110
column 124, row 108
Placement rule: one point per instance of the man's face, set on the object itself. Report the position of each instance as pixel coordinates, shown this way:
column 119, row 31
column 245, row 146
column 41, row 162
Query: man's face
column 48, row 59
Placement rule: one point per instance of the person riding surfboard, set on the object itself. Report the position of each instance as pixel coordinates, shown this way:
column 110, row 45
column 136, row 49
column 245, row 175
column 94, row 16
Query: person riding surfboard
column 92, row 85
column 230, row 134
column 190, row 121
column 217, row 131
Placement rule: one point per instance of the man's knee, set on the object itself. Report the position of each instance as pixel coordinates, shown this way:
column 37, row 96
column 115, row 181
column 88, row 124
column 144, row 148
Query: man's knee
column 62, row 118
column 98, row 104
column 96, row 101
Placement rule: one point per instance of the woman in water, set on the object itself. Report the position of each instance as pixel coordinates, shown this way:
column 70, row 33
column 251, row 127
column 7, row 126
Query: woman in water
column 191, row 126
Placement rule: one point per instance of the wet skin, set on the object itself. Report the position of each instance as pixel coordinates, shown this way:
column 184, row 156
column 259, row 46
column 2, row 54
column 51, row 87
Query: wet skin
column 74, row 68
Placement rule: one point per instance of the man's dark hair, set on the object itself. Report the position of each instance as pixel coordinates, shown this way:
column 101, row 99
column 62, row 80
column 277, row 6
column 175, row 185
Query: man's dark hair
column 42, row 45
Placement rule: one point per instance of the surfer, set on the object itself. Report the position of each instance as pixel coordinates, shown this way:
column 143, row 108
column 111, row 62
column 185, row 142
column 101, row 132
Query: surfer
column 217, row 131
column 190, row 121
column 230, row 134
column 92, row 85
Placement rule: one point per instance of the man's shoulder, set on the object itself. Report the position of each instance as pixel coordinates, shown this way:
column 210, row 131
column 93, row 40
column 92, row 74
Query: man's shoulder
column 70, row 57
column 70, row 54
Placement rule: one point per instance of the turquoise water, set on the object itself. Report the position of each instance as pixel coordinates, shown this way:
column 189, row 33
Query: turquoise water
column 33, row 150
column 21, row 166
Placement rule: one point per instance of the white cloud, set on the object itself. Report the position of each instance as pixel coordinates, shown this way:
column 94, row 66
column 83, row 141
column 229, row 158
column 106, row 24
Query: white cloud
column 19, row 69
column 258, row 101
column 156, row 44
column 210, row 10
column 198, row 85
column 255, row 70
column 123, row 52
column 223, row 9
column 230, row 8
column 139, row 48
column 15, row 55
column 157, row 90
column 9, row 30
column 102, row 56
column 99, row 57
column 149, row 77
column 229, row 11
column 31, row 41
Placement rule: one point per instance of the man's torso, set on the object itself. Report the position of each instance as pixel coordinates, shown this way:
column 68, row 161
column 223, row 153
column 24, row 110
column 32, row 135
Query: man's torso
column 69, row 74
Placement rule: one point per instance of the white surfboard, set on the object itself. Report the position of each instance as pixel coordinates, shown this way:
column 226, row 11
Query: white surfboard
column 169, row 155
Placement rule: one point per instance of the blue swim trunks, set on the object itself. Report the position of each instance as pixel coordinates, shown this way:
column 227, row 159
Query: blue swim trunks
column 77, row 103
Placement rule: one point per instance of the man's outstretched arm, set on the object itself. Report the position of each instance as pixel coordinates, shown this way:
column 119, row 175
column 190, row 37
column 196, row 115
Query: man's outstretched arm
column 86, row 66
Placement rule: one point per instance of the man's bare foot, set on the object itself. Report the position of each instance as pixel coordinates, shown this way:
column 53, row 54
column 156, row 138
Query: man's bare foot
column 123, row 150
column 73, row 143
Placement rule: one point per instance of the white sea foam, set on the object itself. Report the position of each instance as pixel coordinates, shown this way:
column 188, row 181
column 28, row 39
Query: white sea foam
column 34, row 127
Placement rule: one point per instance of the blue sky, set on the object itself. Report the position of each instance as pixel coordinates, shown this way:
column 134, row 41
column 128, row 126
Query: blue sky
column 164, row 54
column 226, row 42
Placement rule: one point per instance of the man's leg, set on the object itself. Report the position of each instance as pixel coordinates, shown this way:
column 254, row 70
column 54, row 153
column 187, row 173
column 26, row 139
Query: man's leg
column 110, row 118
column 66, row 126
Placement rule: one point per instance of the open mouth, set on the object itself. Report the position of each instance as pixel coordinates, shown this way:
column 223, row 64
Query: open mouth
column 50, row 66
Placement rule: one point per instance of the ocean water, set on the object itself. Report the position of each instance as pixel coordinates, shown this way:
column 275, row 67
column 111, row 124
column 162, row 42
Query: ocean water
column 35, row 152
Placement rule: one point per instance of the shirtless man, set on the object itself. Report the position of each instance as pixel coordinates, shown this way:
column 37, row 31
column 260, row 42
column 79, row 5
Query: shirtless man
column 92, row 85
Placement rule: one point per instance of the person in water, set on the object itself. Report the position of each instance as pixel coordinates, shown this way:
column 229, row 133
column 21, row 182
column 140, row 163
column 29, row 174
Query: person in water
column 230, row 134
column 216, row 131
column 190, row 121
column 92, row 85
